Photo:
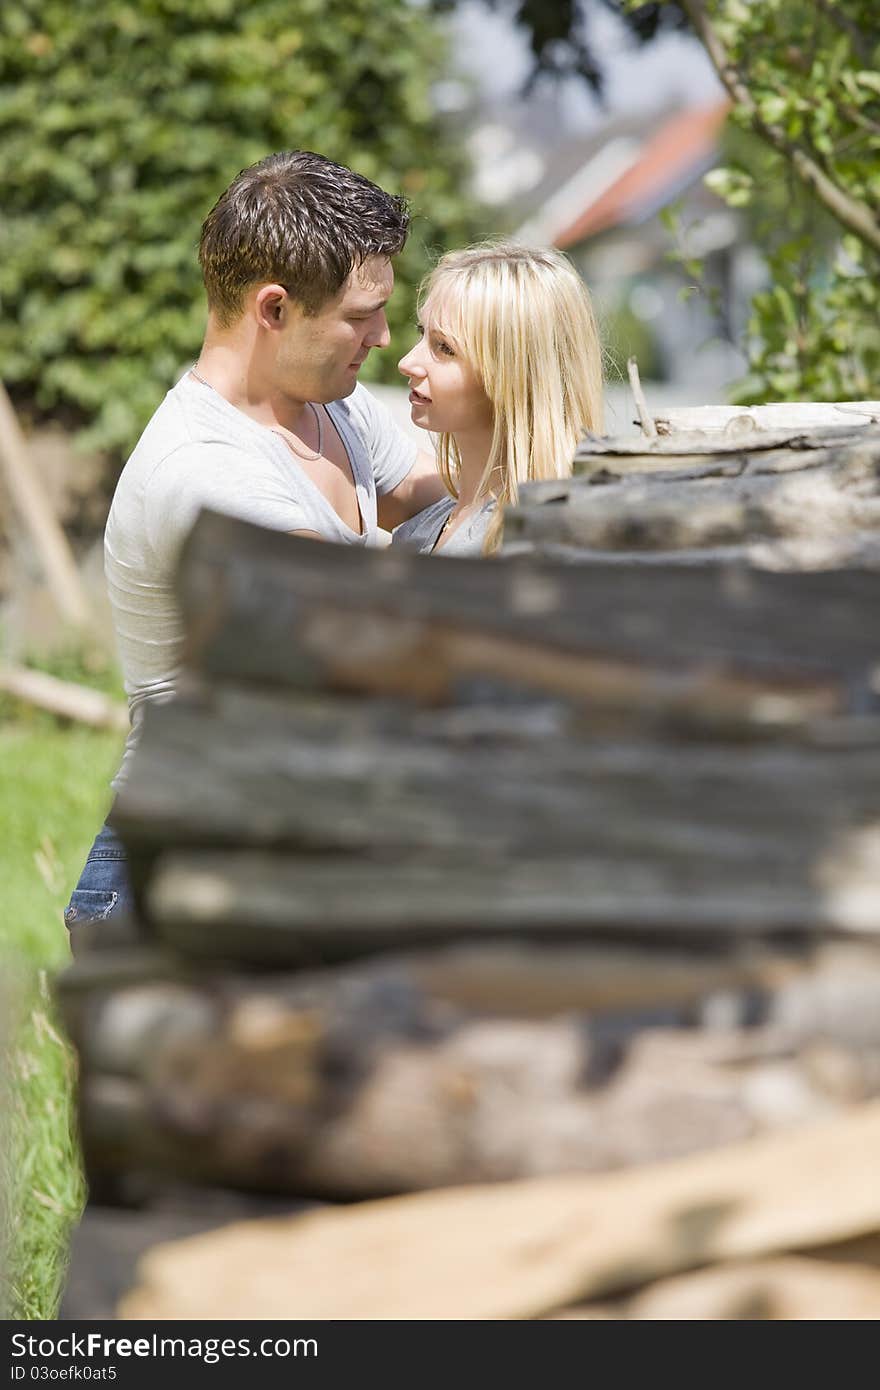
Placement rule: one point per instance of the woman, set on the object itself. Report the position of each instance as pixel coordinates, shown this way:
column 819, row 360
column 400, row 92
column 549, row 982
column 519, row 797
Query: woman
column 508, row 372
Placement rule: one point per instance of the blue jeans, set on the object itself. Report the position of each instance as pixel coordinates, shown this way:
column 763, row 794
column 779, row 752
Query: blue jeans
column 104, row 889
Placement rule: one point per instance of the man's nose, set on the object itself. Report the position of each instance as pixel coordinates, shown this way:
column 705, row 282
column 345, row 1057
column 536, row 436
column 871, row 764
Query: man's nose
column 379, row 335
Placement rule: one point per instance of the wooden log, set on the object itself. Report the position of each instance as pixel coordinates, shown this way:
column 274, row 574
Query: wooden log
column 522, row 1250
column 265, row 607
column 686, row 446
column 380, row 1079
column 341, row 827
column 700, row 454
column 64, row 698
column 30, row 501
column 812, row 415
column 268, row 909
column 742, row 498
column 497, row 979
column 861, row 550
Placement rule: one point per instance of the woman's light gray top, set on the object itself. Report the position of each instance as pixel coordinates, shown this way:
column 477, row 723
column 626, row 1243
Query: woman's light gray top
column 422, row 531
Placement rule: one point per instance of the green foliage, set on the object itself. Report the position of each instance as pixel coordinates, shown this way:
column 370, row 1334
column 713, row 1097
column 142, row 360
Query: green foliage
column 120, row 125
column 55, row 797
column 810, row 92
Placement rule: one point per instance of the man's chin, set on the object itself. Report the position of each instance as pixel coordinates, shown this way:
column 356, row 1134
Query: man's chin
column 347, row 383
column 337, row 392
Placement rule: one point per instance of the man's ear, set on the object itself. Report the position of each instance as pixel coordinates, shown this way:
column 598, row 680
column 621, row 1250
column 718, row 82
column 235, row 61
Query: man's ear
column 271, row 306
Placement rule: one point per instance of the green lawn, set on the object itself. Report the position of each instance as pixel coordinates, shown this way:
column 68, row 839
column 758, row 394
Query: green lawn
column 55, row 792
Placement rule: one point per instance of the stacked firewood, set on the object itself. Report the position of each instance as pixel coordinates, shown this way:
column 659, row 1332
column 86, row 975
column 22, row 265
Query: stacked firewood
column 784, row 498
column 455, row 873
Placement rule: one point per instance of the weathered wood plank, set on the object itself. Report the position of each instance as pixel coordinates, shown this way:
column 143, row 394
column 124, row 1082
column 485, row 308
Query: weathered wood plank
column 816, row 416
column 524, row 1249
column 779, row 1288
column 382, row 819
column 861, row 550
column 272, row 608
column 741, row 498
column 266, row 908
column 698, row 449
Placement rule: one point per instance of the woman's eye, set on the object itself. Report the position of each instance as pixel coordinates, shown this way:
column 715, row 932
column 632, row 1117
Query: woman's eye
column 445, row 348
column 420, row 332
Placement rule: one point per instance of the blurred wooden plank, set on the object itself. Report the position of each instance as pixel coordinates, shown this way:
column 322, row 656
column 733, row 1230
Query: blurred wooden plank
column 789, row 1288
column 739, row 499
column 272, row 909
column 861, row 550
column 33, row 506
column 64, row 698
column 521, row 1250
column 272, row 608
column 691, row 446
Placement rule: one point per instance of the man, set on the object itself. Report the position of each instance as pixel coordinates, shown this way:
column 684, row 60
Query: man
column 270, row 425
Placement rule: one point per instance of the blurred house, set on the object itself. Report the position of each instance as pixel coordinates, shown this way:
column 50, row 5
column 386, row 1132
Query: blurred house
column 598, row 196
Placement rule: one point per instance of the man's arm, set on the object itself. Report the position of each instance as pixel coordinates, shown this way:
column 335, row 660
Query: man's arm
column 421, row 486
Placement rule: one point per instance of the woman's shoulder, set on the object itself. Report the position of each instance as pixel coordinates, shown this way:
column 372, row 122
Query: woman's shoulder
column 422, row 530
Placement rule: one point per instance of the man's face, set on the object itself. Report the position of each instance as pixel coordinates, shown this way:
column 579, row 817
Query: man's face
column 319, row 356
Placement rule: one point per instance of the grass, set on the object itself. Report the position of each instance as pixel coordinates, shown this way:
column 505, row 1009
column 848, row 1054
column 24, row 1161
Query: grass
column 55, row 793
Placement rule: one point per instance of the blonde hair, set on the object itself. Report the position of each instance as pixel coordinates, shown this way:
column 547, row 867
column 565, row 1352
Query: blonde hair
column 523, row 320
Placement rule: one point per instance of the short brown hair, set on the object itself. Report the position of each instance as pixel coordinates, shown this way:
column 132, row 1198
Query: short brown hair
column 298, row 219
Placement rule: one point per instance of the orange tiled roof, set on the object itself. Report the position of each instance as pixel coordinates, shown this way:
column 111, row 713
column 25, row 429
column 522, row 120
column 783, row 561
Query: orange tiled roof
column 680, row 145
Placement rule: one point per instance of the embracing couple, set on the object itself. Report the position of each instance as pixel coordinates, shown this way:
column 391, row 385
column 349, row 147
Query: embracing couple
column 271, row 425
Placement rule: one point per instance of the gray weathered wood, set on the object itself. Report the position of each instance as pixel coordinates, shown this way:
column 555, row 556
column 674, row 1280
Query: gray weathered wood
column 269, row 908
column 861, row 550
column 697, row 448
column 267, row 607
column 738, row 498
column 365, row 820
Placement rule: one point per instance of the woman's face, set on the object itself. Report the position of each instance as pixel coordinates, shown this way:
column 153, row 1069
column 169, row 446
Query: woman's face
column 446, row 395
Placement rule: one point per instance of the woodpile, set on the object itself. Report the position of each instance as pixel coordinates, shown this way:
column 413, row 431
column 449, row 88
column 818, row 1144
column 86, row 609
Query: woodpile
column 780, row 499
column 530, row 906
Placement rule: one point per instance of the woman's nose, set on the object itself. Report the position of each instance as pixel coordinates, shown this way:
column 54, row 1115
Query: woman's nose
column 409, row 364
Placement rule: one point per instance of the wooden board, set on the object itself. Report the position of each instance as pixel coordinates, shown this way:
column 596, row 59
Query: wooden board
column 738, row 498
column 522, row 1250
column 272, row 608
column 291, row 827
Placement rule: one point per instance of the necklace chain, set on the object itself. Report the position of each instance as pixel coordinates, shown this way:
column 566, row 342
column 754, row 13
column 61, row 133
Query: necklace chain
column 284, row 434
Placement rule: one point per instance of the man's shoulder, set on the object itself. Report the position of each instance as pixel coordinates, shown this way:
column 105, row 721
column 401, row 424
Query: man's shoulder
column 189, row 427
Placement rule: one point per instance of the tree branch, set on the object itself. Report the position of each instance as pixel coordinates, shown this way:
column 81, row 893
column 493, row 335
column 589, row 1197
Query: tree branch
column 855, row 216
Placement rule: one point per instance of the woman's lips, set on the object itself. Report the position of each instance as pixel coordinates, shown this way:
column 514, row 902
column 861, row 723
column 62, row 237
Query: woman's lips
column 417, row 399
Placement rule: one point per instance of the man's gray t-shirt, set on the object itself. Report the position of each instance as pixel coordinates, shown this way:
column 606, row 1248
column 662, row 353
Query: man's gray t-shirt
column 198, row 451
column 422, row 531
